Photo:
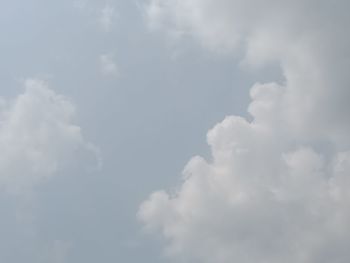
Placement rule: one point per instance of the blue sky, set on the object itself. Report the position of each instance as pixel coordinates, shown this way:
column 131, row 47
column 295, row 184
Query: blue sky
column 237, row 109
column 146, row 120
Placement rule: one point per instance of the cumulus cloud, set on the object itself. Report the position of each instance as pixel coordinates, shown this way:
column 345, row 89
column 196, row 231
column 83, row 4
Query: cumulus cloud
column 38, row 137
column 308, row 39
column 275, row 187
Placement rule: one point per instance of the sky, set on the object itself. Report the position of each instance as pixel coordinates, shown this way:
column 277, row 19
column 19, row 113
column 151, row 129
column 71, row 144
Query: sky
column 209, row 131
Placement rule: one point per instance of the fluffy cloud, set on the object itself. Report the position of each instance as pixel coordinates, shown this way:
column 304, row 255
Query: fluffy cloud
column 308, row 39
column 275, row 188
column 38, row 137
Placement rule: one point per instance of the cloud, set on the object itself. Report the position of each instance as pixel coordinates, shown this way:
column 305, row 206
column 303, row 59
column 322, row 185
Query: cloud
column 80, row 4
column 103, row 16
column 275, row 187
column 38, row 138
column 298, row 35
column 107, row 65
column 106, row 18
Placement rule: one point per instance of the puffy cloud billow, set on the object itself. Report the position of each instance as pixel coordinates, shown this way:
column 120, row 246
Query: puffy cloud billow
column 38, row 138
column 276, row 187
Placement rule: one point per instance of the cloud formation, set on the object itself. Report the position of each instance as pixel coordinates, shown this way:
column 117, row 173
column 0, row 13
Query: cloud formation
column 107, row 65
column 38, row 137
column 275, row 187
column 106, row 18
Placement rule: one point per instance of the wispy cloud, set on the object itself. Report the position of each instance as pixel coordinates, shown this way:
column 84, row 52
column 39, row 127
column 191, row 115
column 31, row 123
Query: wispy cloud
column 108, row 65
column 107, row 18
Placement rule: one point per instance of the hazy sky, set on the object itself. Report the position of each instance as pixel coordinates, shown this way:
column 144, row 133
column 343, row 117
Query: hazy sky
column 238, row 109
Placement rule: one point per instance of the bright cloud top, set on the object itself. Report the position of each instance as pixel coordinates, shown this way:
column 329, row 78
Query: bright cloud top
column 275, row 189
column 38, row 137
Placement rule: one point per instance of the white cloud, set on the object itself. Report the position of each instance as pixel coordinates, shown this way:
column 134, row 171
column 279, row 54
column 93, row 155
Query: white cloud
column 107, row 65
column 106, row 18
column 275, row 189
column 299, row 35
column 260, row 199
column 38, row 137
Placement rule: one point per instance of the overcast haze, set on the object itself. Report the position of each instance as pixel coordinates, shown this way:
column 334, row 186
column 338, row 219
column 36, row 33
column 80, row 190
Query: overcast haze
column 212, row 131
